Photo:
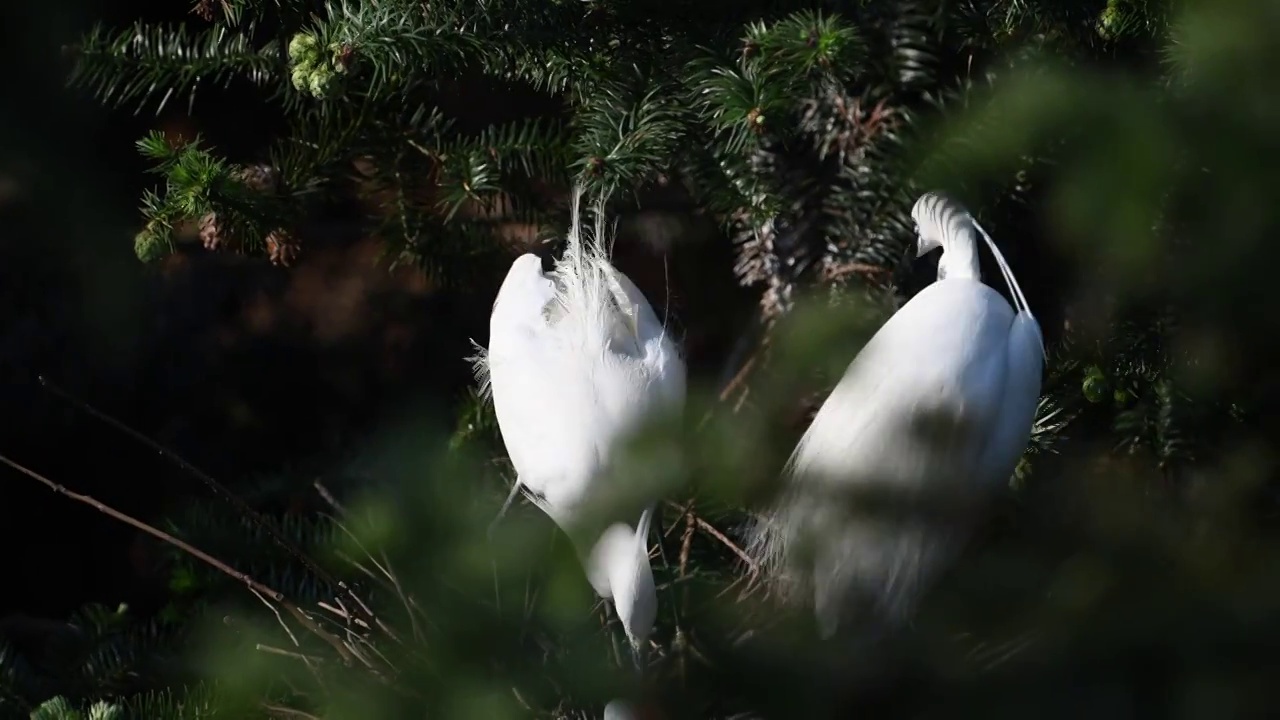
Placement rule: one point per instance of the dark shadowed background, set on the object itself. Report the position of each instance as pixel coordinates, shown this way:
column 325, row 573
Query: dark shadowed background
column 239, row 366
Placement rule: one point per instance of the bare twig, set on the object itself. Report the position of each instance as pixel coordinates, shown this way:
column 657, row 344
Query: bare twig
column 329, row 498
column 309, row 623
column 391, row 582
column 148, row 529
column 710, row 529
column 288, row 631
column 342, row 613
column 520, row 699
column 409, row 605
column 357, row 565
column 686, row 545
column 740, row 377
column 208, row 480
column 686, row 541
column 163, row 536
column 313, row 667
column 732, row 386
column 281, row 711
column 272, row 650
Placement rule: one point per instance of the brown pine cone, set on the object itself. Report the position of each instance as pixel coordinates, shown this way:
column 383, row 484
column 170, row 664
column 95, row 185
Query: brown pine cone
column 206, row 10
column 283, row 248
column 261, row 178
column 211, row 233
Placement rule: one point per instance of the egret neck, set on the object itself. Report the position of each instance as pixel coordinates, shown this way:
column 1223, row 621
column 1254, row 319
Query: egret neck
column 620, row 560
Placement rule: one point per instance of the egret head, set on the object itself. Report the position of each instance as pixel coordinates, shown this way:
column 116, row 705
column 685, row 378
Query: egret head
column 621, row 556
column 941, row 222
column 525, row 285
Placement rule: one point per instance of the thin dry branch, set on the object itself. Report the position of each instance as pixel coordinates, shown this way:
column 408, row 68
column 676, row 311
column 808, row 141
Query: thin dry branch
column 740, row 377
column 148, row 529
column 273, row 650
column 279, row 711
column 711, row 530
column 329, row 498
column 217, row 487
column 288, row 630
column 195, row 552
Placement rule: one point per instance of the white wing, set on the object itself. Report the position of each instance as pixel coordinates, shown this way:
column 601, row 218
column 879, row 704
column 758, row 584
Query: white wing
column 920, row 397
column 918, row 413
column 565, row 388
column 1022, row 392
column 527, row 374
column 576, row 359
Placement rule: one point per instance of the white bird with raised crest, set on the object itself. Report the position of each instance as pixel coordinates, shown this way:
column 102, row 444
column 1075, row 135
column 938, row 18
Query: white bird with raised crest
column 938, row 405
column 577, row 360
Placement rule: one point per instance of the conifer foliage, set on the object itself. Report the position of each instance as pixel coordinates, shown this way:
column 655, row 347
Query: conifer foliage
column 794, row 128
column 805, row 132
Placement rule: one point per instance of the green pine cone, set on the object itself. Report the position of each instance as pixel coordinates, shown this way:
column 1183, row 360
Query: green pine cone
column 301, row 76
column 304, row 50
column 150, row 245
column 1109, row 20
column 1095, row 385
column 321, row 81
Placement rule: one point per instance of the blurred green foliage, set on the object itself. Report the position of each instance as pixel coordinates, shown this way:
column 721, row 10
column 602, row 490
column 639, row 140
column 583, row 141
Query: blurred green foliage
column 1133, row 574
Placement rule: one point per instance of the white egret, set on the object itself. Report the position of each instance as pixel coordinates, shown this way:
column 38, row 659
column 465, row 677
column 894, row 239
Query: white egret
column 576, row 360
column 939, row 402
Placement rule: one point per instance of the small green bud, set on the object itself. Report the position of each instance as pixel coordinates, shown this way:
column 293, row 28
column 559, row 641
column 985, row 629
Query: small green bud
column 304, row 49
column 1121, row 398
column 321, row 81
column 1095, row 385
column 151, row 245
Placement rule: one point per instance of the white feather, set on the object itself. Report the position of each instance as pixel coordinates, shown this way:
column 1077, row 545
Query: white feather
column 576, row 360
column 940, row 403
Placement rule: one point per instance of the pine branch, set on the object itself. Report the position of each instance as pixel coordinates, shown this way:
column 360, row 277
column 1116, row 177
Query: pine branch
column 537, row 148
column 191, row 702
column 145, row 61
column 628, row 134
column 201, row 185
column 394, row 46
column 239, row 12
